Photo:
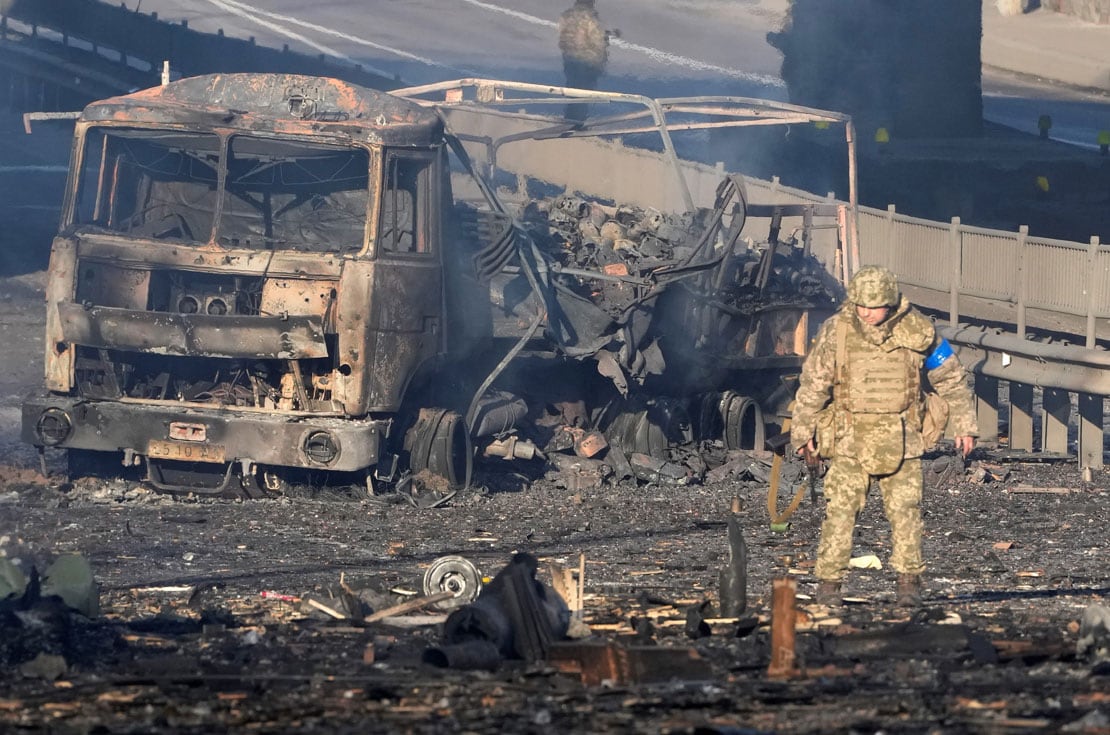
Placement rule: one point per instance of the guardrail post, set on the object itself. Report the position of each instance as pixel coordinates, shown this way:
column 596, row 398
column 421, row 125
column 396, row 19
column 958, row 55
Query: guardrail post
column 956, row 255
column 1055, row 414
column 1021, row 416
column 1020, row 279
column 986, row 407
column 1092, row 290
column 1090, row 431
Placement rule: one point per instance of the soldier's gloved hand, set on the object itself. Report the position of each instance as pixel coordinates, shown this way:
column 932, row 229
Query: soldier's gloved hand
column 964, row 445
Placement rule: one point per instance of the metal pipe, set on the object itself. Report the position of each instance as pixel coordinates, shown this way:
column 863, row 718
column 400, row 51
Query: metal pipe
column 853, row 197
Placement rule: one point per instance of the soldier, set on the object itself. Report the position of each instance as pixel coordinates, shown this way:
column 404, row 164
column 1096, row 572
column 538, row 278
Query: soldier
column 861, row 403
column 585, row 47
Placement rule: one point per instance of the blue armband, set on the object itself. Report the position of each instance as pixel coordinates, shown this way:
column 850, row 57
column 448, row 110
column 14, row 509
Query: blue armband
column 940, row 355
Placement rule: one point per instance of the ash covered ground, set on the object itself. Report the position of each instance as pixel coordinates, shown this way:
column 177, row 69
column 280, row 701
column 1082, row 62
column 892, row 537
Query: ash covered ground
column 185, row 641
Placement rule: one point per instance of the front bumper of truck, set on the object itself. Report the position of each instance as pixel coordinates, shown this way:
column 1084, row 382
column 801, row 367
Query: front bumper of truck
column 197, row 434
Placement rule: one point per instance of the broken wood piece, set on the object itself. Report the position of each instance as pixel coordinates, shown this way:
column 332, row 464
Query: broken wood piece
column 784, row 590
column 414, row 621
column 176, row 588
column 408, row 606
column 910, row 638
column 582, row 576
column 598, row 662
column 1032, row 490
column 325, row 609
column 967, row 703
column 231, row 696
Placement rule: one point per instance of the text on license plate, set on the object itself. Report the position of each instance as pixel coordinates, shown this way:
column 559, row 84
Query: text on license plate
column 185, row 452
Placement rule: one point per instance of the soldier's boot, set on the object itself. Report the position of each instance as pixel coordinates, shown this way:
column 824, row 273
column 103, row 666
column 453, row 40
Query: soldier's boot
column 828, row 593
column 909, row 590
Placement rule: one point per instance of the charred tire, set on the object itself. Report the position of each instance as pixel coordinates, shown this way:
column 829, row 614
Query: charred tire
column 742, row 421
column 651, row 429
column 439, row 443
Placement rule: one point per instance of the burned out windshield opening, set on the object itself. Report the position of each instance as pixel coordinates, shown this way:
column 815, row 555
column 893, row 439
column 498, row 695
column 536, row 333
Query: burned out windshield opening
column 285, row 195
column 151, row 184
column 278, row 194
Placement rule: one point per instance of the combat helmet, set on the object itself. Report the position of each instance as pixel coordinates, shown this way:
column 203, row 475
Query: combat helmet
column 873, row 286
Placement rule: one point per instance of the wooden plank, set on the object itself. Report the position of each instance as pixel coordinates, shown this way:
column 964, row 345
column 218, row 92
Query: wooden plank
column 409, row 606
column 783, row 622
column 1032, row 490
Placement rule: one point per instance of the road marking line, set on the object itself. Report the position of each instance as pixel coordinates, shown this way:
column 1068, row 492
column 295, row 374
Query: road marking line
column 251, row 12
column 33, row 167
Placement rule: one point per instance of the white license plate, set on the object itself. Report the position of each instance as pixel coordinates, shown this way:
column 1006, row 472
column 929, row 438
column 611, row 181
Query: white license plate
column 185, row 451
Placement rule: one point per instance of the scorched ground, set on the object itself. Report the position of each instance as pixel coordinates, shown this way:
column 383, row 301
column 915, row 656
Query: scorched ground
column 187, row 642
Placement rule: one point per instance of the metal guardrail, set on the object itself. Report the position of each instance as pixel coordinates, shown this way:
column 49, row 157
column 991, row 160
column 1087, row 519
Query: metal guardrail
column 142, row 42
column 1009, row 278
column 1058, row 369
column 993, row 275
column 990, row 276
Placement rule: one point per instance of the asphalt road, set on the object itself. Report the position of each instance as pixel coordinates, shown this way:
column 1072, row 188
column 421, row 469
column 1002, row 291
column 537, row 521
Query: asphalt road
column 665, row 48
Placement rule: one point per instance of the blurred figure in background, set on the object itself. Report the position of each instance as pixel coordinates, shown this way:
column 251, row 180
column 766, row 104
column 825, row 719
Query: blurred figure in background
column 585, row 47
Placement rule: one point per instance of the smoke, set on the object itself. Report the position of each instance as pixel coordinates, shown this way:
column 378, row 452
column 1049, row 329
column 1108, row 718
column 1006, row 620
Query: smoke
column 917, row 73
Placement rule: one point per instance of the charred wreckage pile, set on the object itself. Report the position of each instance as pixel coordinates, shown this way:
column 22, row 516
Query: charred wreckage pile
column 286, row 293
column 668, row 307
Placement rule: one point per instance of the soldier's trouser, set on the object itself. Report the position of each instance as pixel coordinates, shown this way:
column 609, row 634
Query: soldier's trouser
column 846, row 487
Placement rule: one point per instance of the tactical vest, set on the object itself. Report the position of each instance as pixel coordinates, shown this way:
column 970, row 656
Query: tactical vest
column 875, row 379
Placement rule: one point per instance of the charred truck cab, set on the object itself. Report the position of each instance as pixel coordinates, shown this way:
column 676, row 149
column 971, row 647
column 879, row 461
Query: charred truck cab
column 247, row 276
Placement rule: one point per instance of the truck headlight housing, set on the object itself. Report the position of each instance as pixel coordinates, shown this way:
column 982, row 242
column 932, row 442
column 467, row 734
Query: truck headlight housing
column 321, row 448
column 53, row 427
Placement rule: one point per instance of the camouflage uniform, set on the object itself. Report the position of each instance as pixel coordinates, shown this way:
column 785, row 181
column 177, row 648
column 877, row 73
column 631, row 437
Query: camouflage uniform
column 585, row 46
column 871, row 409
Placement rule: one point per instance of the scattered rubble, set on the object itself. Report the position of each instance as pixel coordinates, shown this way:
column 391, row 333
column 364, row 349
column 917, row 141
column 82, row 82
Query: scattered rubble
column 225, row 641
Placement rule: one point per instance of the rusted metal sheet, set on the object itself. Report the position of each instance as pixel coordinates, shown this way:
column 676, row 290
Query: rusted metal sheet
column 60, row 283
column 113, row 249
column 297, row 296
column 200, row 335
column 277, row 103
column 389, row 322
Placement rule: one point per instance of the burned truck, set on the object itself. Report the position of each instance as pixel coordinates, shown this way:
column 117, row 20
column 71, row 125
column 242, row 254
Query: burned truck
column 259, row 275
